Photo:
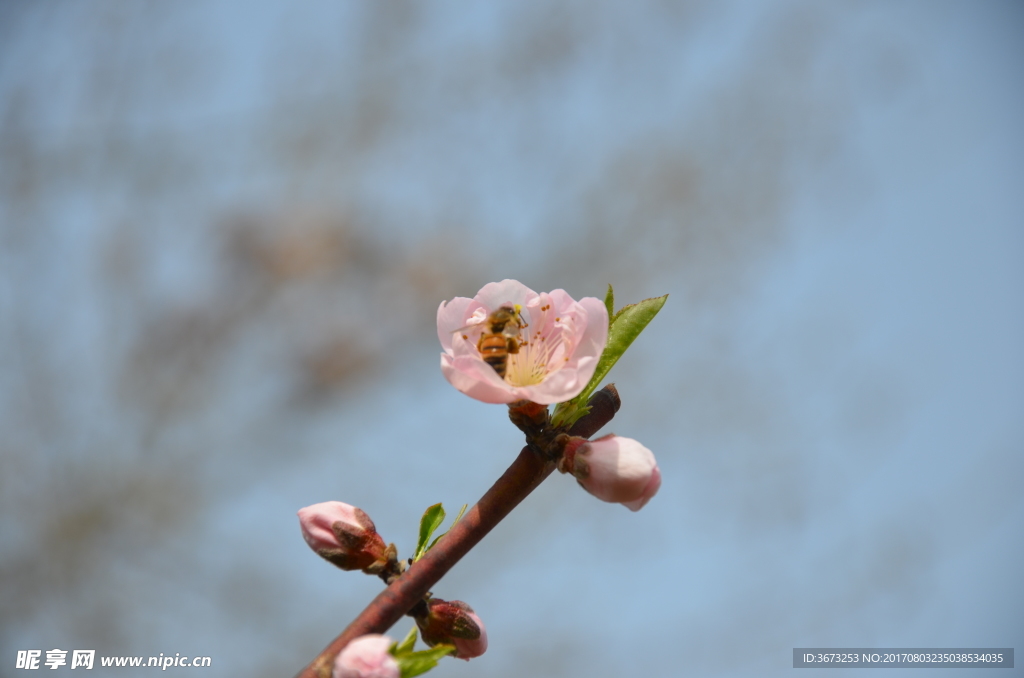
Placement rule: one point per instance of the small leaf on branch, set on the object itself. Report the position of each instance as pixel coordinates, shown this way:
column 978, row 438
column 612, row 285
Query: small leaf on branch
column 461, row 511
column 418, row 663
column 405, row 647
column 431, row 520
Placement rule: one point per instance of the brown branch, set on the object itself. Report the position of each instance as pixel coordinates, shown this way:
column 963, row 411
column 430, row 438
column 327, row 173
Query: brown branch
column 521, row 478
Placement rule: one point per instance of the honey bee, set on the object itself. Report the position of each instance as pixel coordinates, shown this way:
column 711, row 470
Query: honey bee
column 504, row 325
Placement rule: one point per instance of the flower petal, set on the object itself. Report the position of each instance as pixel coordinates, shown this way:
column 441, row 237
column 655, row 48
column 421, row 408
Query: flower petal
column 468, row 375
column 493, row 295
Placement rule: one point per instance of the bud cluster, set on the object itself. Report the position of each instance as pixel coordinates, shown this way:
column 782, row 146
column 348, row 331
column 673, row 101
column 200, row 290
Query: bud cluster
column 346, row 537
column 612, row 468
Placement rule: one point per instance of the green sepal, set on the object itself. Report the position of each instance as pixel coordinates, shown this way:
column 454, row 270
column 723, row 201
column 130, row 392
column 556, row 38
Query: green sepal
column 461, row 511
column 418, row 663
column 431, row 520
column 405, row 647
column 609, row 303
column 568, row 412
column 625, row 326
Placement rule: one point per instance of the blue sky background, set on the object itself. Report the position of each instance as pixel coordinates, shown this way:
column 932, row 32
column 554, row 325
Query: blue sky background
column 225, row 229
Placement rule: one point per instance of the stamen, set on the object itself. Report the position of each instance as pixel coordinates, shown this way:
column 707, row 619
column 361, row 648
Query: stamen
column 530, row 365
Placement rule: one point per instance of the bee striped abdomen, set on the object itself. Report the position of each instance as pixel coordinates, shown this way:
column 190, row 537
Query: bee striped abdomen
column 494, row 351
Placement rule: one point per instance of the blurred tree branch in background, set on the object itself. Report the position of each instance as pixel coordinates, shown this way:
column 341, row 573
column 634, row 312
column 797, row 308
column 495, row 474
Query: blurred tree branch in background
column 195, row 227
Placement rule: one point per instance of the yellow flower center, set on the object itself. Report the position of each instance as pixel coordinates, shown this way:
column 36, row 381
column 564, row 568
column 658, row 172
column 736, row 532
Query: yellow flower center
column 531, row 364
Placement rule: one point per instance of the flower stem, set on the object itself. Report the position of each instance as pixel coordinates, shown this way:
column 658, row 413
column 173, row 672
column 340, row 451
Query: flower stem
column 520, row 479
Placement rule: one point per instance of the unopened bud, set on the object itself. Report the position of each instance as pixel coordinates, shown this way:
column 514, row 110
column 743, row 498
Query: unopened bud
column 367, row 657
column 343, row 535
column 613, row 469
column 453, row 623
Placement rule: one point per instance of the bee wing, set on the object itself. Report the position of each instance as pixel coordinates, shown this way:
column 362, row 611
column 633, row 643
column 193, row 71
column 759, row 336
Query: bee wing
column 470, row 326
column 511, row 331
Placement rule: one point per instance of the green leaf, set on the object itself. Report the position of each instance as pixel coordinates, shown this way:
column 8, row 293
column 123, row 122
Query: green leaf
column 609, row 303
column 420, row 662
column 461, row 511
column 406, row 646
column 431, row 520
column 626, row 326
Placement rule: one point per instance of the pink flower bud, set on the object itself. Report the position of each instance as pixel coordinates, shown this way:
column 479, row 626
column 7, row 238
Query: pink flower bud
column 510, row 343
column 614, row 469
column 453, row 623
column 342, row 534
column 366, row 657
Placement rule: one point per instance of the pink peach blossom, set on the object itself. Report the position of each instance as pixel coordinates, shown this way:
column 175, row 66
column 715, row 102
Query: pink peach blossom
column 614, row 469
column 454, row 623
column 558, row 348
column 342, row 534
column 366, row 657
